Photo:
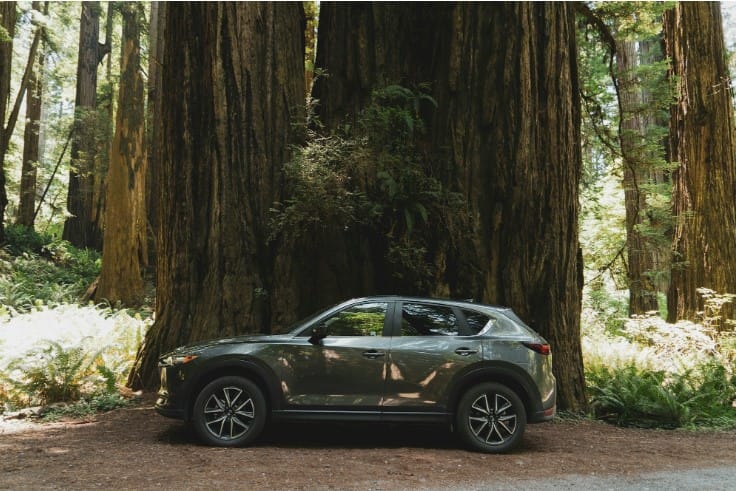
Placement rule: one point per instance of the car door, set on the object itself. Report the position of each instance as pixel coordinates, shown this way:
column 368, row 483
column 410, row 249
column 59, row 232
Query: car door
column 428, row 349
column 347, row 368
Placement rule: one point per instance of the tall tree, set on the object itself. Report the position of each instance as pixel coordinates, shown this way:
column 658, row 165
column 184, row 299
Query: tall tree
column 232, row 85
column 80, row 228
column 642, row 291
column 31, row 137
column 156, row 43
column 124, row 248
column 505, row 134
column 702, row 142
column 7, row 23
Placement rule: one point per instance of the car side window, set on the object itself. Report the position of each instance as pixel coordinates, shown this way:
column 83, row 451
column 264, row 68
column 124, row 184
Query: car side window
column 365, row 319
column 428, row 320
column 476, row 321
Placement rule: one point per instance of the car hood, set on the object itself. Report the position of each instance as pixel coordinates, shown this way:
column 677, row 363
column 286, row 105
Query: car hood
column 205, row 345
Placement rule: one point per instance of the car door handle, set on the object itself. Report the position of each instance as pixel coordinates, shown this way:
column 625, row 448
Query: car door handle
column 373, row 354
column 466, row 351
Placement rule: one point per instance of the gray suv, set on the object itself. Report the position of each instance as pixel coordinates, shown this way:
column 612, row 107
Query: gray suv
column 476, row 367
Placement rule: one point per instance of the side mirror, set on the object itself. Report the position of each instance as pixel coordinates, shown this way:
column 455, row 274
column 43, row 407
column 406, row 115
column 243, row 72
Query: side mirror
column 319, row 332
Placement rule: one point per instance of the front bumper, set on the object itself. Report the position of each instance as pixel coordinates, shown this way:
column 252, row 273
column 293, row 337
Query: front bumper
column 168, row 404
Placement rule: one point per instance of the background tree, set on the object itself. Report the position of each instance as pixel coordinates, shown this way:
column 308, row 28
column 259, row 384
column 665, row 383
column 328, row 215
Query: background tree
column 156, row 44
column 80, row 228
column 32, row 136
column 7, row 22
column 232, row 86
column 702, row 142
column 625, row 99
column 9, row 127
column 124, row 252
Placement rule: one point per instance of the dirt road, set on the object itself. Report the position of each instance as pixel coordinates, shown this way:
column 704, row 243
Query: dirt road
column 134, row 448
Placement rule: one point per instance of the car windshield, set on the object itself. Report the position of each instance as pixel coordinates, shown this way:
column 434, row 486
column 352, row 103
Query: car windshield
column 293, row 328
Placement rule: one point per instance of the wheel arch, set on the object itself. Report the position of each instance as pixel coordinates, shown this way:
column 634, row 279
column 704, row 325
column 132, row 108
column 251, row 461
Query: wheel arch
column 250, row 369
column 512, row 376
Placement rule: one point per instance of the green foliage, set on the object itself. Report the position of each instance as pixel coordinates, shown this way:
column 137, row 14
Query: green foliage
column 87, row 406
column 371, row 175
column 631, row 396
column 4, row 35
column 29, row 281
column 51, row 374
column 646, row 372
column 601, row 82
column 20, row 239
column 74, row 369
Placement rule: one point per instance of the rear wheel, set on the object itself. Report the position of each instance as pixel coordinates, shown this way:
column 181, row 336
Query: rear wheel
column 229, row 412
column 491, row 418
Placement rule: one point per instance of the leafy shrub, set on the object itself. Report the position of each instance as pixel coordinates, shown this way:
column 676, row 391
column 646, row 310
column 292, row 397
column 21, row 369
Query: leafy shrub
column 51, row 374
column 88, row 405
column 632, row 396
column 654, row 374
column 20, row 239
column 372, row 176
column 30, row 281
column 90, row 356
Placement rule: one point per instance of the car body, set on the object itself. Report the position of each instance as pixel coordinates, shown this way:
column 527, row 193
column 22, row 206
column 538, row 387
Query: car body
column 476, row 367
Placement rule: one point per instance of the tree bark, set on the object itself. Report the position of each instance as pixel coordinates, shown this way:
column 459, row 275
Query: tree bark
column 702, row 142
column 31, row 139
column 153, row 128
column 510, row 119
column 124, row 252
column 642, row 291
column 7, row 21
column 505, row 135
column 80, row 229
column 232, row 86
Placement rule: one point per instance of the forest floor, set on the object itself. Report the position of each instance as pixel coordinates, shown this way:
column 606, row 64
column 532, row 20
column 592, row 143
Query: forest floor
column 134, row 448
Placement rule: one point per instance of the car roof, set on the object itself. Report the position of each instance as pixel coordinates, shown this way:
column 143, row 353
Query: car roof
column 443, row 301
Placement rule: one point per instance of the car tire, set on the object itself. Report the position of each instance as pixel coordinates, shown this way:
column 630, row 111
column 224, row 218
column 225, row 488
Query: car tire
column 229, row 412
column 491, row 418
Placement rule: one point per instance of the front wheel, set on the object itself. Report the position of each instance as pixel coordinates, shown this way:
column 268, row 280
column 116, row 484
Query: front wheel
column 491, row 418
column 229, row 412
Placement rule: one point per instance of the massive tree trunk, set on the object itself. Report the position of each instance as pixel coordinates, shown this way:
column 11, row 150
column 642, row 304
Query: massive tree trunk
column 506, row 135
column 702, row 142
column 81, row 229
column 510, row 119
column 153, row 129
column 124, row 251
column 7, row 21
column 232, row 86
column 31, row 139
column 364, row 46
column 642, row 291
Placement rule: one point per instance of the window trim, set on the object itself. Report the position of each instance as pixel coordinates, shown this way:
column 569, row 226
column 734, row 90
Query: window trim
column 462, row 326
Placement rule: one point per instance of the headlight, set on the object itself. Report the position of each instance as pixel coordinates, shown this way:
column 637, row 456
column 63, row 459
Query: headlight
column 172, row 360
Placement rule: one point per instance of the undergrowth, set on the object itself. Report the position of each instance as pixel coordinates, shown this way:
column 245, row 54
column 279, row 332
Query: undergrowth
column 72, row 358
column 645, row 372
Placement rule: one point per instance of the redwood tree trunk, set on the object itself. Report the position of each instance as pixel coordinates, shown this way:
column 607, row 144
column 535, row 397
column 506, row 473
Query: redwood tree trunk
column 232, row 85
column 506, row 135
column 702, row 142
column 124, row 251
column 80, row 228
column 156, row 44
column 31, row 139
column 510, row 119
column 642, row 291
column 7, row 20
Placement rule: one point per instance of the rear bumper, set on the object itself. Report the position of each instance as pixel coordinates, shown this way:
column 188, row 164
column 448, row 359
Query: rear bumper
column 542, row 416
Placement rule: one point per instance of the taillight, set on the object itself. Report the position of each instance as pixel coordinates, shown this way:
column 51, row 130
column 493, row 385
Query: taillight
column 542, row 349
